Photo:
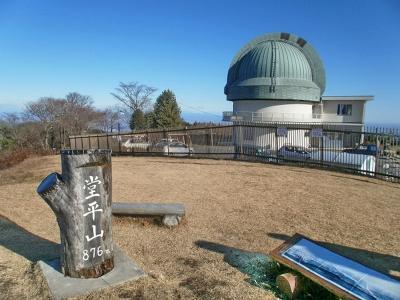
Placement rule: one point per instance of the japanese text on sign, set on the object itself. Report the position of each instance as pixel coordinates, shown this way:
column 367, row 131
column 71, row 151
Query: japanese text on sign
column 91, row 188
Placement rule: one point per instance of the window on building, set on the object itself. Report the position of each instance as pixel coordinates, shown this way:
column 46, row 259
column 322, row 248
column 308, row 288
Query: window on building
column 344, row 109
column 316, row 111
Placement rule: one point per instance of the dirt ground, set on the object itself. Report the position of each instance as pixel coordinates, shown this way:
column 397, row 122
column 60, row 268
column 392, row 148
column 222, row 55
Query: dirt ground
column 231, row 206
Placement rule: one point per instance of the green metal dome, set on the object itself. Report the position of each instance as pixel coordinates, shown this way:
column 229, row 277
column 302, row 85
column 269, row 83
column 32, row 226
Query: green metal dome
column 277, row 66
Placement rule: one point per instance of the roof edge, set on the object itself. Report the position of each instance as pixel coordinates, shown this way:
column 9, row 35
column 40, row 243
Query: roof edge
column 344, row 98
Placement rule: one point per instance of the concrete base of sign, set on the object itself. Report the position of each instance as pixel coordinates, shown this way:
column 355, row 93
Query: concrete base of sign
column 64, row 287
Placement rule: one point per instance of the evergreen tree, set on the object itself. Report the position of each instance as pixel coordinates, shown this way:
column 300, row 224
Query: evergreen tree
column 138, row 120
column 149, row 118
column 166, row 111
column 6, row 137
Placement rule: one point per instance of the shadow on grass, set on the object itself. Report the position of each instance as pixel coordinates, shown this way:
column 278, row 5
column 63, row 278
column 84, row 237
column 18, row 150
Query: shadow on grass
column 262, row 271
column 383, row 263
column 260, row 268
column 25, row 243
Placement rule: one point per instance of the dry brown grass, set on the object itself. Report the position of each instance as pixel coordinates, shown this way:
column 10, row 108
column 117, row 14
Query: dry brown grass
column 242, row 205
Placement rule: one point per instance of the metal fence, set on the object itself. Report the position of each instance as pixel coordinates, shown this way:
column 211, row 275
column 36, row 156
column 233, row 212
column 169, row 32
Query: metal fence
column 365, row 151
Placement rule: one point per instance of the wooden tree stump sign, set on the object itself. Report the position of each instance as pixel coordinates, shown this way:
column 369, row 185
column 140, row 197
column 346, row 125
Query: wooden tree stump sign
column 81, row 200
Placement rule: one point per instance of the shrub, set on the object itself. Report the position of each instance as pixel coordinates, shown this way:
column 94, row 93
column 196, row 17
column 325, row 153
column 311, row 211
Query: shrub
column 12, row 157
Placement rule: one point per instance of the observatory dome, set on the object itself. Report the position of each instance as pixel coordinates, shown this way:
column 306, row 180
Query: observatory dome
column 278, row 66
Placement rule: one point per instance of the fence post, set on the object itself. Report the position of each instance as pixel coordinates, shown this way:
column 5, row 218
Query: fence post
column 189, row 138
column 241, row 137
column 376, row 153
column 147, row 140
column 211, row 138
column 322, row 148
column 61, row 144
column 276, row 143
column 119, row 144
column 64, row 139
column 235, row 141
column 185, row 136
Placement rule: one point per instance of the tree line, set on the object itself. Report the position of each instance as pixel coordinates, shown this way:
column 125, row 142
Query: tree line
column 46, row 123
column 137, row 105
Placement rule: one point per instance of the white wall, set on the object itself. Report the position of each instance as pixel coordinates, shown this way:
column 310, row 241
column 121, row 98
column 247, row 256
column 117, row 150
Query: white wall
column 330, row 111
column 277, row 110
column 297, row 111
column 265, row 137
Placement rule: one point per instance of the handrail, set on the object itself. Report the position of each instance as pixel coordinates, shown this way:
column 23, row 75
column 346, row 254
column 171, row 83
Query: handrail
column 283, row 117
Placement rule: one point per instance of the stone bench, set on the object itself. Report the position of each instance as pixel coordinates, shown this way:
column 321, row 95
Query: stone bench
column 171, row 213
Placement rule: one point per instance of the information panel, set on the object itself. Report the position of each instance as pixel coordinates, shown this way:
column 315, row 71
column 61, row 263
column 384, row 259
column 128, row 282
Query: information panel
column 339, row 274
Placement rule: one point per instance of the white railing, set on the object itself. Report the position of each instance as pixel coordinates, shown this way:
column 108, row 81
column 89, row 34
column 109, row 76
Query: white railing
column 267, row 117
column 334, row 118
column 230, row 116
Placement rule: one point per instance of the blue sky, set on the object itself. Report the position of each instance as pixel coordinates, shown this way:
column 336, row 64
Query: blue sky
column 50, row 48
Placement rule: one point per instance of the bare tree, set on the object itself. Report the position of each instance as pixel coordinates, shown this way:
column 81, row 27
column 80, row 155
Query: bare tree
column 29, row 135
column 110, row 118
column 134, row 95
column 59, row 118
column 23, row 133
column 124, row 116
column 47, row 111
column 78, row 113
column 79, row 100
column 12, row 119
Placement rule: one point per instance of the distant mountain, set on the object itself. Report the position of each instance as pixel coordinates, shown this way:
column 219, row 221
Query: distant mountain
column 384, row 125
column 202, row 117
column 10, row 108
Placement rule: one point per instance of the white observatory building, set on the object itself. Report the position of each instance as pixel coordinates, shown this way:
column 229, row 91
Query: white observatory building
column 279, row 77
